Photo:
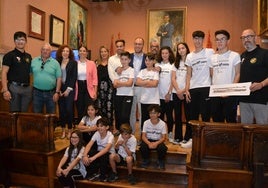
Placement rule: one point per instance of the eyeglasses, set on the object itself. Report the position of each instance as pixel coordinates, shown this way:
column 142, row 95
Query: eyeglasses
column 20, row 40
column 223, row 39
column 42, row 65
column 247, row 37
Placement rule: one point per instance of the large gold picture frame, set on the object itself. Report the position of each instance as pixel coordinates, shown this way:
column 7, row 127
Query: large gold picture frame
column 77, row 33
column 262, row 16
column 177, row 18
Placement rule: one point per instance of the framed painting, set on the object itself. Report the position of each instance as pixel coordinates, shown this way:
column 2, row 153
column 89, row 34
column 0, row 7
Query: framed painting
column 77, row 33
column 56, row 35
column 36, row 23
column 167, row 26
column 262, row 16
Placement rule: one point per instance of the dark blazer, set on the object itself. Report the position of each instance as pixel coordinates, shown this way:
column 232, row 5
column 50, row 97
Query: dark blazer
column 167, row 39
column 71, row 76
column 142, row 63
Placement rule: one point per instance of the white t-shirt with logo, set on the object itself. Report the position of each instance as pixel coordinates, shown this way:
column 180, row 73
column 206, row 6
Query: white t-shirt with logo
column 181, row 72
column 164, row 78
column 149, row 95
column 154, row 132
column 223, row 66
column 199, row 62
column 124, row 77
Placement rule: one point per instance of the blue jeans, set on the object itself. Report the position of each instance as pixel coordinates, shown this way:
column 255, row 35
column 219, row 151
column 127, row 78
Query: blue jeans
column 43, row 99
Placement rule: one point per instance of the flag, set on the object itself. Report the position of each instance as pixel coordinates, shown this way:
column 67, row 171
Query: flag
column 209, row 44
column 112, row 46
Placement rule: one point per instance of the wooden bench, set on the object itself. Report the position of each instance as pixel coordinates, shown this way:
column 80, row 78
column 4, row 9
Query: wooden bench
column 228, row 155
column 28, row 151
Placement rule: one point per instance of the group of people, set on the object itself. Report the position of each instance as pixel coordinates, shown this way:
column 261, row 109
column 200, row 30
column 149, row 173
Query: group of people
column 93, row 150
column 159, row 83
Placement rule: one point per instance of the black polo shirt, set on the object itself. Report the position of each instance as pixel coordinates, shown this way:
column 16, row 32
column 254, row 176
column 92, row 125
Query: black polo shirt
column 254, row 68
column 19, row 66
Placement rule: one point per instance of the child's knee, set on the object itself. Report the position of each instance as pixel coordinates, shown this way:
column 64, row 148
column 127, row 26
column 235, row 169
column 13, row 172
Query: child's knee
column 129, row 159
column 112, row 156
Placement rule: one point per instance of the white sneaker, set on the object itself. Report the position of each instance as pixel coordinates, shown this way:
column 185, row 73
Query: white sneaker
column 170, row 137
column 176, row 142
column 187, row 144
column 182, row 142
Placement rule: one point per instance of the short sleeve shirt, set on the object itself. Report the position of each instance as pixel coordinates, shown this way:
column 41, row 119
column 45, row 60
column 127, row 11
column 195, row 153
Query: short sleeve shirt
column 199, row 62
column 154, row 132
column 181, row 72
column 80, row 166
column 164, row 78
column 124, row 77
column 87, row 121
column 149, row 95
column 45, row 78
column 19, row 64
column 131, row 144
column 102, row 142
column 223, row 66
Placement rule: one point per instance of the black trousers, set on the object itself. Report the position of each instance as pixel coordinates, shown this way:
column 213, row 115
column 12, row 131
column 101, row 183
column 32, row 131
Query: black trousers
column 122, row 109
column 69, row 180
column 224, row 108
column 145, row 151
column 83, row 99
column 100, row 164
column 200, row 104
column 167, row 109
column 144, row 114
column 178, row 106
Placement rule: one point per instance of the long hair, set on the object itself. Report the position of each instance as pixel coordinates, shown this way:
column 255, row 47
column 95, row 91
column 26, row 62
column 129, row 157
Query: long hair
column 178, row 56
column 94, row 104
column 59, row 53
column 72, row 147
column 171, row 57
column 100, row 58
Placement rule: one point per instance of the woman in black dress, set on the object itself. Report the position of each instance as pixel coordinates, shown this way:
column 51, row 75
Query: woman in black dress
column 105, row 86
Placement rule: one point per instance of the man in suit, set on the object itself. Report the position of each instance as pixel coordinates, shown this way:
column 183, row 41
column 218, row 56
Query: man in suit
column 138, row 63
column 165, row 32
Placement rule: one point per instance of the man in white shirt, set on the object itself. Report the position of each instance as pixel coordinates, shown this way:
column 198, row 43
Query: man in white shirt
column 198, row 81
column 114, row 61
column 225, row 69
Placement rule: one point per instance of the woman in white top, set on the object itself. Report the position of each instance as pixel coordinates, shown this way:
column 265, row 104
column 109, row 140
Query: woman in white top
column 87, row 82
column 179, row 71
